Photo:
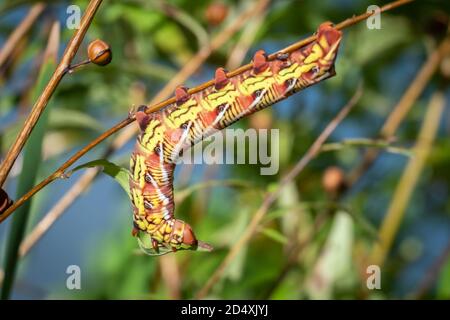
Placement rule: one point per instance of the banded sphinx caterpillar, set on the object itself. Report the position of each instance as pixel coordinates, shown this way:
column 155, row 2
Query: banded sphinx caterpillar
column 166, row 133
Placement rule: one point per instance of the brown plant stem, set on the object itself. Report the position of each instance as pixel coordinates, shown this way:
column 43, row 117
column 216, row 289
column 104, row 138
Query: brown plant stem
column 45, row 96
column 409, row 179
column 396, row 117
column 402, row 108
column 60, row 171
column 20, row 31
column 191, row 67
column 344, row 24
column 32, row 161
column 238, row 53
column 170, row 274
column 272, row 196
column 88, row 177
column 56, row 211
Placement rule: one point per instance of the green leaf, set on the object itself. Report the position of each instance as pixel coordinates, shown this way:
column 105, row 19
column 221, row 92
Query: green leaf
column 118, row 173
column 32, row 158
column 363, row 142
column 274, row 235
column 68, row 118
column 334, row 264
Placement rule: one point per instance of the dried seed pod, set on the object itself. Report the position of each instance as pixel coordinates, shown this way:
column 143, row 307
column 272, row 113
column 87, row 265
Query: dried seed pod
column 99, row 52
column 215, row 13
column 5, row 201
column 333, row 180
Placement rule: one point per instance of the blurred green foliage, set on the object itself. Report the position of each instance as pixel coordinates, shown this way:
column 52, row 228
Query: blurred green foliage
column 149, row 47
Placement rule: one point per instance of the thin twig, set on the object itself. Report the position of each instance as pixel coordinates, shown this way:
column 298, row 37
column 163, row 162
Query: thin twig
column 60, row 171
column 272, row 196
column 402, row 108
column 20, row 31
column 45, row 96
column 32, row 161
column 170, row 274
column 191, row 67
column 383, row 144
column 56, row 211
column 408, row 181
column 241, row 48
column 399, row 113
column 88, row 177
column 346, row 23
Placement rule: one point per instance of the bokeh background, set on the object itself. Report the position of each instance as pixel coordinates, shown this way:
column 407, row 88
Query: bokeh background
column 312, row 244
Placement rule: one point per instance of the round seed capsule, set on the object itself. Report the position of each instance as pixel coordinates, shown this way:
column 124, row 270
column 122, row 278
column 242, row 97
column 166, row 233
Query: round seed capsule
column 216, row 12
column 333, row 180
column 5, row 201
column 99, row 52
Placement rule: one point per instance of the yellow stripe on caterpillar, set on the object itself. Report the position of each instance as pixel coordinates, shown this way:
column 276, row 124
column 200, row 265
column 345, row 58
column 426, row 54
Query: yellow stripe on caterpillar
column 138, row 200
column 316, row 53
column 226, row 95
column 153, row 134
column 184, row 114
column 257, row 82
column 231, row 98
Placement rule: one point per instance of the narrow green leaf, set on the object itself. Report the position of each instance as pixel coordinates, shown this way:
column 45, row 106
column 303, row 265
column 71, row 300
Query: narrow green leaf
column 67, row 118
column 274, row 235
column 363, row 142
column 32, row 158
column 334, row 265
column 118, row 173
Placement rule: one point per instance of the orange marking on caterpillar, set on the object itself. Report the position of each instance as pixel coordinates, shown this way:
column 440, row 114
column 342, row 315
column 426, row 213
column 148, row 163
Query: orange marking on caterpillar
column 260, row 62
column 220, row 79
column 181, row 95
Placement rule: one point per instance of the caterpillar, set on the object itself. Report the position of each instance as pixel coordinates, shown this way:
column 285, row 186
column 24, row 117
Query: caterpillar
column 166, row 133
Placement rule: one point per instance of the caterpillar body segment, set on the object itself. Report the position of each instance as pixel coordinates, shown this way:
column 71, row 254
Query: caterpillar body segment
column 167, row 132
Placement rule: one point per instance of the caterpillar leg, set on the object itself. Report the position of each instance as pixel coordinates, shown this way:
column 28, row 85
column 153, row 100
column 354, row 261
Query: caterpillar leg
column 134, row 231
column 170, row 236
column 133, row 110
column 141, row 117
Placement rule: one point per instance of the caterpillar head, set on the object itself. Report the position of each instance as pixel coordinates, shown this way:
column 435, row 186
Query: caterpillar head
column 177, row 235
column 318, row 58
column 329, row 39
column 182, row 236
